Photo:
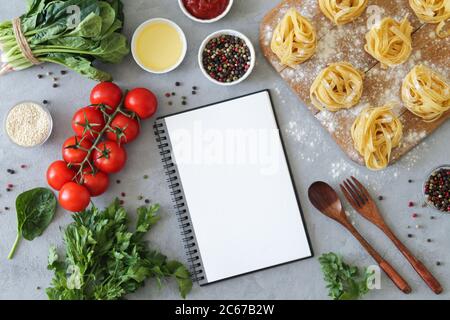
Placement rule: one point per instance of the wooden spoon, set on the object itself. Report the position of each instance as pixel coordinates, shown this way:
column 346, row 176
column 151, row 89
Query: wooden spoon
column 326, row 200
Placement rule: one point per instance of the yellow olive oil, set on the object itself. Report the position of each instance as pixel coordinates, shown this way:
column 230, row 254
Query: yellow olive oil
column 159, row 46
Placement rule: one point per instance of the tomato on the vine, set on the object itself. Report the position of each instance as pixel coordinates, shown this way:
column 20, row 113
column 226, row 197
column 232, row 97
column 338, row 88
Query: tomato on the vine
column 107, row 93
column 58, row 174
column 96, row 182
column 126, row 129
column 109, row 157
column 75, row 149
column 141, row 101
column 74, row 197
column 88, row 122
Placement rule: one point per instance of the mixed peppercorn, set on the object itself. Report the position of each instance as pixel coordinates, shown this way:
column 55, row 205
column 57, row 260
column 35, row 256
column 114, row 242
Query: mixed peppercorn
column 226, row 58
column 437, row 189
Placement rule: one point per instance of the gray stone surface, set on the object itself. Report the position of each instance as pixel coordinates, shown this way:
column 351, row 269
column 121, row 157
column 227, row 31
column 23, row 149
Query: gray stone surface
column 312, row 153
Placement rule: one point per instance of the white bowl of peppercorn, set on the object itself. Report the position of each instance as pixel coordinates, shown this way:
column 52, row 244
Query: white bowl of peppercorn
column 226, row 57
column 436, row 189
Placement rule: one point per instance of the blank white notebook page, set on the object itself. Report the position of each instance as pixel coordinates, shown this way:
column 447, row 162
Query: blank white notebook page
column 237, row 187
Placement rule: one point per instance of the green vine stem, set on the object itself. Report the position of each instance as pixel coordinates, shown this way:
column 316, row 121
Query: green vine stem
column 99, row 138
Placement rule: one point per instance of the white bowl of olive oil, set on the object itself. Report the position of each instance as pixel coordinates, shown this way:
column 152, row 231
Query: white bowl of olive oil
column 159, row 45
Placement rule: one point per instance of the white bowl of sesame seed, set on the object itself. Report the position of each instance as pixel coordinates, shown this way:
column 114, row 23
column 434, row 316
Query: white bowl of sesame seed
column 28, row 124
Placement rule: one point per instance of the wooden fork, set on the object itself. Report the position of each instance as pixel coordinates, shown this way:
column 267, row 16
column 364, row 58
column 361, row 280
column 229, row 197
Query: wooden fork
column 362, row 202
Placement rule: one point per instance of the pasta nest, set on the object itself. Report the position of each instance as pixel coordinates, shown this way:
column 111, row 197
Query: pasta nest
column 433, row 11
column 294, row 40
column 339, row 86
column 425, row 93
column 375, row 132
column 390, row 42
column 342, row 11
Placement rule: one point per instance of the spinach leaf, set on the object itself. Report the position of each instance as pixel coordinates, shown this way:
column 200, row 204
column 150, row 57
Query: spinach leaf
column 53, row 39
column 35, row 210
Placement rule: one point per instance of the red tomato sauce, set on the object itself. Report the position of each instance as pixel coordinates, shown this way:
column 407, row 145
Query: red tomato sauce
column 206, row 9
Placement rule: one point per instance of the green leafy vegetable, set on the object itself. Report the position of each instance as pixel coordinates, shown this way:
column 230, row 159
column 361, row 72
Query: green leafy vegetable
column 105, row 261
column 35, row 210
column 54, row 35
column 343, row 281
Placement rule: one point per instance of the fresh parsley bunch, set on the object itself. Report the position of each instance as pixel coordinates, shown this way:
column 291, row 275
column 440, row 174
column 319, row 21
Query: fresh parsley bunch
column 343, row 281
column 105, row 261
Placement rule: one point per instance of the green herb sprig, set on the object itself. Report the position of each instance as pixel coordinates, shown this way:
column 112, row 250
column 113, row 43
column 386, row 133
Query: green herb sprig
column 105, row 261
column 344, row 282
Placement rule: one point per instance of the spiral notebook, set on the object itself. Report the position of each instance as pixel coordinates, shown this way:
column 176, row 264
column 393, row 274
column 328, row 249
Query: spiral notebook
column 232, row 188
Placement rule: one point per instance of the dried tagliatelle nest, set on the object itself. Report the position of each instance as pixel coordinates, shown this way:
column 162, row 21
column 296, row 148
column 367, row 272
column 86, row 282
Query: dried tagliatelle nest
column 375, row 132
column 390, row 42
column 294, row 40
column 425, row 93
column 342, row 11
column 339, row 86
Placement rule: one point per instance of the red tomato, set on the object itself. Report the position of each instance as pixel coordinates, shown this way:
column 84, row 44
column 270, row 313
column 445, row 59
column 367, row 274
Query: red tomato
column 74, row 150
column 58, row 174
column 97, row 183
column 88, row 122
column 110, row 157
column 125, row 128
column 107, row 93
column 74, row 197
column 142, row 102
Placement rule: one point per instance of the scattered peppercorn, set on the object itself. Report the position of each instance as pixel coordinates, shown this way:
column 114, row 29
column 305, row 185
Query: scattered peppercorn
column 49, row 73
column 194, row 92
column 184, row 97
column 170, row 103
column 438, row 263
column 381, row 198
column 55, row 79
column 226, row 58
column 55, row 85
column 44, row 101
column 118, row 181
column 8, row 190
column 146, row 177
column 173, row 94
column 121, row 202
column 123, row 194
column 140, row 198
column 184, row 103
column 63, row 72
column 40, row 76
column 410, row 181
column 23, row 166
column 177, row 84
column 11, row 171
column 38, row 288
column 147, row 201
column 432, row 217
column 428, row 240
column 410, row 235
column 6, row 208
column 437, row 189
column 194, row 88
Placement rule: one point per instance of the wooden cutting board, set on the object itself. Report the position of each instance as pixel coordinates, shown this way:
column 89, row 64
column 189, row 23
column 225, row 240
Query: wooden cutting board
column 346, row 43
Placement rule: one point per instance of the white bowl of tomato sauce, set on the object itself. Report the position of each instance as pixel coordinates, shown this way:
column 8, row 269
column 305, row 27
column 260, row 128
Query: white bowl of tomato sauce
column 205, row 11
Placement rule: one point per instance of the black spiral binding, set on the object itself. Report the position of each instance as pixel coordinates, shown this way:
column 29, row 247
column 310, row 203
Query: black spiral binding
column 184, row 220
